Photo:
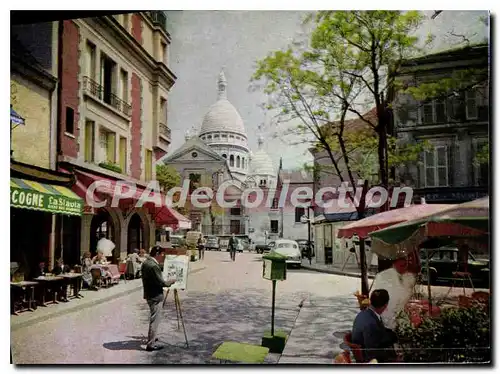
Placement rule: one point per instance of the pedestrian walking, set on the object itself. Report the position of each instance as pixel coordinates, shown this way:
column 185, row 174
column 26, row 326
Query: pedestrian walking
column 201, row 247
column 233, row 244
column 153, row 283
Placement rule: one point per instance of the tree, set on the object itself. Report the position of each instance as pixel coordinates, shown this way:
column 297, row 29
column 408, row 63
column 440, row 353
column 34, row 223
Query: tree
column 351, row 58
column 167, row 177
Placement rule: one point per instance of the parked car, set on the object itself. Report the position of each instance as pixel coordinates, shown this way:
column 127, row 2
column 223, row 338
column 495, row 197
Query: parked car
column 212, row 243
column 443, row 262
column 303, row 247
column 262, row 247
column 290, row 249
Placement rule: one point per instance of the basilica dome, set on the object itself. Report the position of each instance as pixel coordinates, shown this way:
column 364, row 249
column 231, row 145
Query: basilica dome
column 222, row 116
column 260, row 162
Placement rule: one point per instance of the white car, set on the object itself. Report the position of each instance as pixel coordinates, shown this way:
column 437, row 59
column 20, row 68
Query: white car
column 290, row 249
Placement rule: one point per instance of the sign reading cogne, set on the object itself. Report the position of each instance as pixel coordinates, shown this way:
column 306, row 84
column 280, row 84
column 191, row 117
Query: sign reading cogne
column 31, row 199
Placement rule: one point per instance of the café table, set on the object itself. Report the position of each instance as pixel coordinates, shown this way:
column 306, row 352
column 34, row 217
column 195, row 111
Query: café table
column 76, row 280
column 48, row 282
column 28, row 289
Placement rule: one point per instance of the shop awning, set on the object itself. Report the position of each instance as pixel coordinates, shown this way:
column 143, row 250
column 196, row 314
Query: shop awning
column 169, row 217
column 162, row 215
column 27, row 194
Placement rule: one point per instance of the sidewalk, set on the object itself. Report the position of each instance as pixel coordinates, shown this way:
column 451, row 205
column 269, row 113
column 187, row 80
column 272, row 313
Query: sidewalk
column 311, row 340
column 349, row 270
column 90, row 298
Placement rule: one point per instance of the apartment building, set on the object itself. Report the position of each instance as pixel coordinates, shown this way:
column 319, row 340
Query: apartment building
column 114, row 87
column 40, row 197
column 455, row 126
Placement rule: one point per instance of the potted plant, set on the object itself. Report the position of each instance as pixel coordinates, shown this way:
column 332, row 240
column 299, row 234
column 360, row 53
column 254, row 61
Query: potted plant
column 456, row 335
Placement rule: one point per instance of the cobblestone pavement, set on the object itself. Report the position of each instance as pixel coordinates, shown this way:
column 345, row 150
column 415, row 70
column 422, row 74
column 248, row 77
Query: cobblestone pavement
column 225, row 301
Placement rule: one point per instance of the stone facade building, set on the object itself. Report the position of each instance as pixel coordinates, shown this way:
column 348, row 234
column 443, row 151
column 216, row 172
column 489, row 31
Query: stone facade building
column 456, row 126
column 114, row 87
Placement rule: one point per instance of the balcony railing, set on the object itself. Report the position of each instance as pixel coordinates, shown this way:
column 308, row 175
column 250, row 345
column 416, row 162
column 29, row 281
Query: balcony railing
column 97, row 91
column 165, row 131
column 159, row 18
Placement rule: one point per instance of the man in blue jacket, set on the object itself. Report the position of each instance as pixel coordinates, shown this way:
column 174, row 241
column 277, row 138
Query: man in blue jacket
column 153, row 283
column 369, row 332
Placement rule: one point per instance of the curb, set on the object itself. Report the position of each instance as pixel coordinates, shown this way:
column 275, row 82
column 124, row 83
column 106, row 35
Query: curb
column 336, row 272
column 82, row 306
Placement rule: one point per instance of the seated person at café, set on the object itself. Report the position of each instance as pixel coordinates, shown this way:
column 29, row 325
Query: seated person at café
column 86, row 265
column 62, row 288
column 142, row 255
column 99, row 259
column 60, row 268
column 368, row 331
column 40, row 270
column 134, row 264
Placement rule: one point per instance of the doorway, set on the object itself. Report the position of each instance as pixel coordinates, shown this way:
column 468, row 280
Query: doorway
column 135, row 236
column 101, row 226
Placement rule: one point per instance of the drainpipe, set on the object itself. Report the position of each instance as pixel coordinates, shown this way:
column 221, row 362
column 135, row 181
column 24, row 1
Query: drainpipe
column 52, row 156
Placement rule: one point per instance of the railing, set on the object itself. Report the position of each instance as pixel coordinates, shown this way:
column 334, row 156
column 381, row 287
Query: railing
column 94, row 89
column 159, row 18
column 165, row 131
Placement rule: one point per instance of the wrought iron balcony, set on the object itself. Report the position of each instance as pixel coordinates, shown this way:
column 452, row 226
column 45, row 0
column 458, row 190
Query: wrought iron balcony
column 159, row 18
column 164, row 131
column 98, row 92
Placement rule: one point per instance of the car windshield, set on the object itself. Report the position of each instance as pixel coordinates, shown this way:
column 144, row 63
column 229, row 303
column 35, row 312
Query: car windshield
column 287, row 249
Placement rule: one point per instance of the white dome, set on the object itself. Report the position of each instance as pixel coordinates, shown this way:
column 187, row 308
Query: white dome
column 261, row 164
column 222, row 116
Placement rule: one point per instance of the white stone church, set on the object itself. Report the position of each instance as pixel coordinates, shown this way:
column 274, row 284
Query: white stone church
column 220, row 152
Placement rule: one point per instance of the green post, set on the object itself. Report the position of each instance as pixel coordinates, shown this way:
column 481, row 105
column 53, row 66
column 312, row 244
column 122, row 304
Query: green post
column 272, row 310
column 274, row 269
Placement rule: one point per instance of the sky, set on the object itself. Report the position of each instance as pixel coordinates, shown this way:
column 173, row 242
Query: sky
column 204, row 42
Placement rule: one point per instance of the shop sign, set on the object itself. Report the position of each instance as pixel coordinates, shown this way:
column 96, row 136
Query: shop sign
column 31, row 199
column 454, row 196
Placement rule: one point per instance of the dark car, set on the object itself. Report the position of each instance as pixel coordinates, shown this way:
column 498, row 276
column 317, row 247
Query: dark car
column 264, row 247
column 303, row 247
column 212, row 243
column 443, row 262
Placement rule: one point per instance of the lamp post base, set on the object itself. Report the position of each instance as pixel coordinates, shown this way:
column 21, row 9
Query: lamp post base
column 276, row 343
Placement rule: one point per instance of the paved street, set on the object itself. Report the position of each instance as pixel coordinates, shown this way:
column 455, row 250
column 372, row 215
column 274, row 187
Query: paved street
column 225, row 301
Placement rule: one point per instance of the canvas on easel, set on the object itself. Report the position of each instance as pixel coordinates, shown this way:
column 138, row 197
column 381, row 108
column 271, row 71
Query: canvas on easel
column 176, row 266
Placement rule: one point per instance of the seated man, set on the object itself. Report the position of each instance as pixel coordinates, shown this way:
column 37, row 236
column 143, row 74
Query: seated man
column 133, row 264
column 369, row 332
column 62, row 289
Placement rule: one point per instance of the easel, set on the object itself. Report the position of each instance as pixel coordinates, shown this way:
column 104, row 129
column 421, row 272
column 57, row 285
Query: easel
column 178, row 312
column 352, row 251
